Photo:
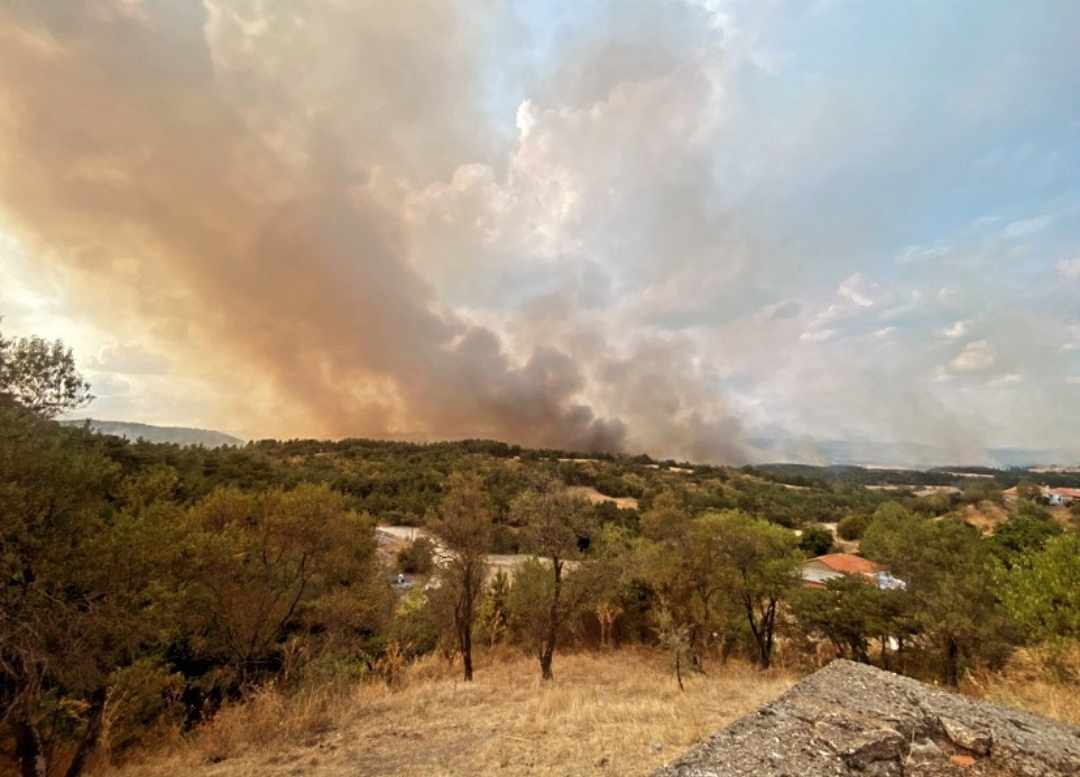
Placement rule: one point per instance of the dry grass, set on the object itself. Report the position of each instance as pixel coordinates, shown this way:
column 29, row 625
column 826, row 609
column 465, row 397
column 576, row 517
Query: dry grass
column 595, row 497
column 1042, row 680
column 986, row 516
column 614, row 713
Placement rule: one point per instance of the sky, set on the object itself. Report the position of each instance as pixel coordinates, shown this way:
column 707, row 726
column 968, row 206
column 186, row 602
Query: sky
column 676, row 226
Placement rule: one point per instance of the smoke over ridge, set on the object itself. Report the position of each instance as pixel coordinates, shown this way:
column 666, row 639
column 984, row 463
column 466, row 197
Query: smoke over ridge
column 204, row 162
column 671, row 226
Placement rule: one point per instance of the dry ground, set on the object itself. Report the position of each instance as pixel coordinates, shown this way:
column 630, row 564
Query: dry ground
column 594, row 496
column 985, row 516
column 615, row 713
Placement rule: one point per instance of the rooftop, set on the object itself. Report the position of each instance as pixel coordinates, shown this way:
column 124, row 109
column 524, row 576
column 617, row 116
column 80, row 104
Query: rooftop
column 849, row 564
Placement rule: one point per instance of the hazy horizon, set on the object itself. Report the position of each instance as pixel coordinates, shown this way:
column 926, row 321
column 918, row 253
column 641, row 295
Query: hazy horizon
column 671, row 227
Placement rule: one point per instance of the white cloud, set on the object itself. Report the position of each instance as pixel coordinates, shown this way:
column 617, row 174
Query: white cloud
column 947, row 296
column 958, row 329
column 1025, row 227
column 1008, row 379
column 781, row 310
column 817, row 335
column 913, row 303
column 859, row 290
column 1069, row 269
column 977, row 356
column 923, row 253
column 1073, row 380
column 885, row 331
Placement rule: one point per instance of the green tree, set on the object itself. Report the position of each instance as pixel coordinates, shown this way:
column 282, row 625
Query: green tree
column 666, row 519
column 417, row 557
column 1042, row 589
column 257, row 565
column 762, row 565
column 557, row 528
column 41, row 376
column 1029, row 490
column 853, row 526
column 1022, row 534
column 816, row 541
column 464, row 523
column 673, row 637
column 946, row 567
column 847, row 612
column 982, row 489
column 79, row 598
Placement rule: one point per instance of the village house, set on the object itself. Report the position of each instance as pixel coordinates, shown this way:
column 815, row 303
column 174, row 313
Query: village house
column 1059, row 497
column 818, row 571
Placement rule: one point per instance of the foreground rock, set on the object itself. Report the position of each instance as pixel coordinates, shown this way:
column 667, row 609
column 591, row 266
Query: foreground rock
column 853, row 719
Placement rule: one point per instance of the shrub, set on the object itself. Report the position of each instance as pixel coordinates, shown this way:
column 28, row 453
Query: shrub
column 416, row 557
column 816, row 541
column 852, row 527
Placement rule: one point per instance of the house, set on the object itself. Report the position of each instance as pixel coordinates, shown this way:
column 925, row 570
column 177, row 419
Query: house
column 1059, row 497
column 818, row 571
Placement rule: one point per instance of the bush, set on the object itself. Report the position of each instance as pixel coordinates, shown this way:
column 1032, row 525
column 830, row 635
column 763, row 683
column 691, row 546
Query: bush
column 852, row 527
column 416, row 557
column 816, row 541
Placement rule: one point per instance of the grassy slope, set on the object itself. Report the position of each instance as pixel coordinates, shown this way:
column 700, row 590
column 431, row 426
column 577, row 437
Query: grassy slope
column 617, row 713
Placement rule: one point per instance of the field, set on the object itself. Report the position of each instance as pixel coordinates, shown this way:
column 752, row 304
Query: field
column 617, row 713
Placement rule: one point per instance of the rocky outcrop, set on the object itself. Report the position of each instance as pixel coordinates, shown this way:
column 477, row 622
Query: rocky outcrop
column 853, row 719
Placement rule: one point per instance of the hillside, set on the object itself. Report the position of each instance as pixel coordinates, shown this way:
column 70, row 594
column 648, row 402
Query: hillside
column 176, row 435
column 258, row 592
column 614, row 713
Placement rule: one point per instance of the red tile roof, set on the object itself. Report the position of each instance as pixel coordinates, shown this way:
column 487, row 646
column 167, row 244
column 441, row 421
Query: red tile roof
column 849, row 564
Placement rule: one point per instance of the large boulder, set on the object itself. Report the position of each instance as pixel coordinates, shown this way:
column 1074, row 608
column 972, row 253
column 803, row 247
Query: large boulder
column 853, row 719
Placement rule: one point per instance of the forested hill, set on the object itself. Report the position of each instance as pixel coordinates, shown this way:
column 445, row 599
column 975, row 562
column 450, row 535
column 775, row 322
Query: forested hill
column 177, row 435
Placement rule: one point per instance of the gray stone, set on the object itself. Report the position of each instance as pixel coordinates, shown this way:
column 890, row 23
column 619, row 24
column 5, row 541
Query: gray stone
column 965, row 737
column 924, row 751
column 881, row 745
column 853, row 720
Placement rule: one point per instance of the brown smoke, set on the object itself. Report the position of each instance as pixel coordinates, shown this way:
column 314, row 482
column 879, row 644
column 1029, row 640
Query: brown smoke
column 233, row 193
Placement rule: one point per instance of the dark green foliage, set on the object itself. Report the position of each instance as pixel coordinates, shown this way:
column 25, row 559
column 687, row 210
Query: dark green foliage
column 1022, row 534
column 853, row 527
column 844, row 612
column 41, row 376
column 816, row 541
column 1042, row 590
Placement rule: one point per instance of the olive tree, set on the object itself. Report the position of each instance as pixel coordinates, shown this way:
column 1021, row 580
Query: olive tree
column 463, row 521
column 556, row 527
column 41, row 375
column 761, row 563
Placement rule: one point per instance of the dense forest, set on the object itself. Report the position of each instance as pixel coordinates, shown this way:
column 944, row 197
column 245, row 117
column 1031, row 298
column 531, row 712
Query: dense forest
column 147, row 584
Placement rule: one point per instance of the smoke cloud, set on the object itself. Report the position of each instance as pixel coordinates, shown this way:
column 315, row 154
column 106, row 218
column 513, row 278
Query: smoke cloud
column 230, row 191
column 665, row 226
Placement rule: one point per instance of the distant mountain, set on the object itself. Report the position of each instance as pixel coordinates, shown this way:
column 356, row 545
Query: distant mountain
column 903, row 455
column 170, row 434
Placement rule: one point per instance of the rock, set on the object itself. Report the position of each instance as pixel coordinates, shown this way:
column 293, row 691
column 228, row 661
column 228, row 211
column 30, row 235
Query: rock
column 924, row 751
column 852, row 720
column 967, row 738
column 882, row 745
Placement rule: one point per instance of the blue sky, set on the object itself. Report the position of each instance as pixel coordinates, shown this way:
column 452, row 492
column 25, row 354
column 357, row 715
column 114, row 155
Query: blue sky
column 672, row 224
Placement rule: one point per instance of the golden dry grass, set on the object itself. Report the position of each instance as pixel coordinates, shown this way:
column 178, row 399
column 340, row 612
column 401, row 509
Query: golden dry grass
column 985, row 516
column 605, row 714
column 1042, row 680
